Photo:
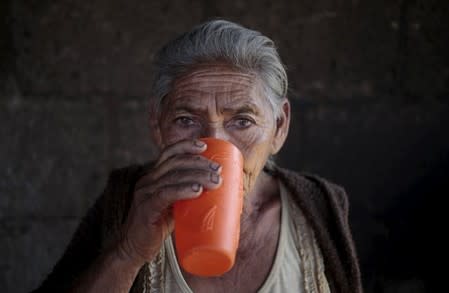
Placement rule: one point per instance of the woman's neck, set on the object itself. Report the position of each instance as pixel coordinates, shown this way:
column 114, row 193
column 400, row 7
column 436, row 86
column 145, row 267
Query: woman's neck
column 261, row 210
column 265, row 191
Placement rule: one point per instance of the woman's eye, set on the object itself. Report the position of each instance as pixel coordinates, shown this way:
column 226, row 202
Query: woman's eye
column 184, row 121
column 243, row 122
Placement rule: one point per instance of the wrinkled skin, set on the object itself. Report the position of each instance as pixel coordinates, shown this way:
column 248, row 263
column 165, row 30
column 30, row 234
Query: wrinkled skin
column 212, row 100
column 222, row 103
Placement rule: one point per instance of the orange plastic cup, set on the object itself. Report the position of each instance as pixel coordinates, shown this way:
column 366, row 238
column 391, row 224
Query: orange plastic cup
column 207, row 228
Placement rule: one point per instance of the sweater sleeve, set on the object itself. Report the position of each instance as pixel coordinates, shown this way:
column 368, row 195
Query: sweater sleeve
column 325, row 205
column 95, row 231
column 81, row 252
column 344, row 243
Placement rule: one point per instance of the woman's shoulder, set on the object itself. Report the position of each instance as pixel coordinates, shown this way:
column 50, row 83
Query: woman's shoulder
column 129, row 172
column 312, row 188
column 121, row 181
column 117, row 196
column 126, row 176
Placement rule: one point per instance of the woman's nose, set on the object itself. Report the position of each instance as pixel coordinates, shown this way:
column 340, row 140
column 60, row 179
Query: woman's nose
column 215, row 131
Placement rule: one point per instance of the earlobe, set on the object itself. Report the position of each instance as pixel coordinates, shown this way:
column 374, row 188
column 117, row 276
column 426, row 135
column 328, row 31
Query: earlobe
column 282, row 127
column 155, row 131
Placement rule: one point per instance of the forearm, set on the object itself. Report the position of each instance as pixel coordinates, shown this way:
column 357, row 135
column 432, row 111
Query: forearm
column 112, row 272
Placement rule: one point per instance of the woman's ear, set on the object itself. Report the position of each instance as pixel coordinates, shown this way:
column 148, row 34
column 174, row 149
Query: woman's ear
column 282, row 127
column 153, row 119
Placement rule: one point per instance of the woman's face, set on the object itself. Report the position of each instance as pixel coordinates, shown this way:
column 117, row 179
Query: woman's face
column 221, row 102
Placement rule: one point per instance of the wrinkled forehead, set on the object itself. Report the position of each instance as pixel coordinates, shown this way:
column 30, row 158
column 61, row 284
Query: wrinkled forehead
column 214, row 81
column 214, row 76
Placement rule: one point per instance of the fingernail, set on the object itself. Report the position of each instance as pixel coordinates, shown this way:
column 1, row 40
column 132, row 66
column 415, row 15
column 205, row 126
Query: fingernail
column 199, row 143
column 214, row 166
column 196, row 187
column 214, row 178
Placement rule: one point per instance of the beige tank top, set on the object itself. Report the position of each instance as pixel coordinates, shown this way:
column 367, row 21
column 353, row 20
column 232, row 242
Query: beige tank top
column 297, row 266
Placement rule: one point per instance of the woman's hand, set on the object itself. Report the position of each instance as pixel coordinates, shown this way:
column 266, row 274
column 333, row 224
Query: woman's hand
column 180, row 173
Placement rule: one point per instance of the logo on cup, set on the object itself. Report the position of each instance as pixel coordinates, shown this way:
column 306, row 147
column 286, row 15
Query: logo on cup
column 209, row 219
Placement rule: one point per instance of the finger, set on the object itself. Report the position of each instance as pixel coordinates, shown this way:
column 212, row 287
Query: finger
column 178, row 163
column 190, row 146
column 164, row 197
column 185, row 161
column 206, row 179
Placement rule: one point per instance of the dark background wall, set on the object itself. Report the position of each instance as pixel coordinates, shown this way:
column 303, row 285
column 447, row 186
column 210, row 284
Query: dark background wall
column 369, row 88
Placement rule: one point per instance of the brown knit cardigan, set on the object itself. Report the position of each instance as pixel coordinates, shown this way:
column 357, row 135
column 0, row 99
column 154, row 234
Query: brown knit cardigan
column 324, row 204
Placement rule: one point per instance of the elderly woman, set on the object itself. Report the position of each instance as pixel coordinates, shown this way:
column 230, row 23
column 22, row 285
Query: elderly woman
column 225, row 81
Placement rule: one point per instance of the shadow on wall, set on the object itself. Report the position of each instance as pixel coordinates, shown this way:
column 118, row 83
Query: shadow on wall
column 393, row 160
column 416, row 228
column 371, row 115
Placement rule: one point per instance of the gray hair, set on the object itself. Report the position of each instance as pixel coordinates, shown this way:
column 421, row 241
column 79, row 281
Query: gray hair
column 221, row 40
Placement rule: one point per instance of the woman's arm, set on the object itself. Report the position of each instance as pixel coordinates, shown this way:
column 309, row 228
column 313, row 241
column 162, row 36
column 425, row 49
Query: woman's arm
column 112, row 272
column 129, row 223
column 87, row 266
column 83, row 249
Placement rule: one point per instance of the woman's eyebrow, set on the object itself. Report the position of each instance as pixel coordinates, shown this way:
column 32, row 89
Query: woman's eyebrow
column 240, row 109
column 189, row 108
column 233, row 109
column 186, row 103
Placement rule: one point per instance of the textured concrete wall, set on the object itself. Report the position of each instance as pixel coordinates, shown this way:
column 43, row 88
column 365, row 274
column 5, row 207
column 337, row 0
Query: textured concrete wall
column 369, row 89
